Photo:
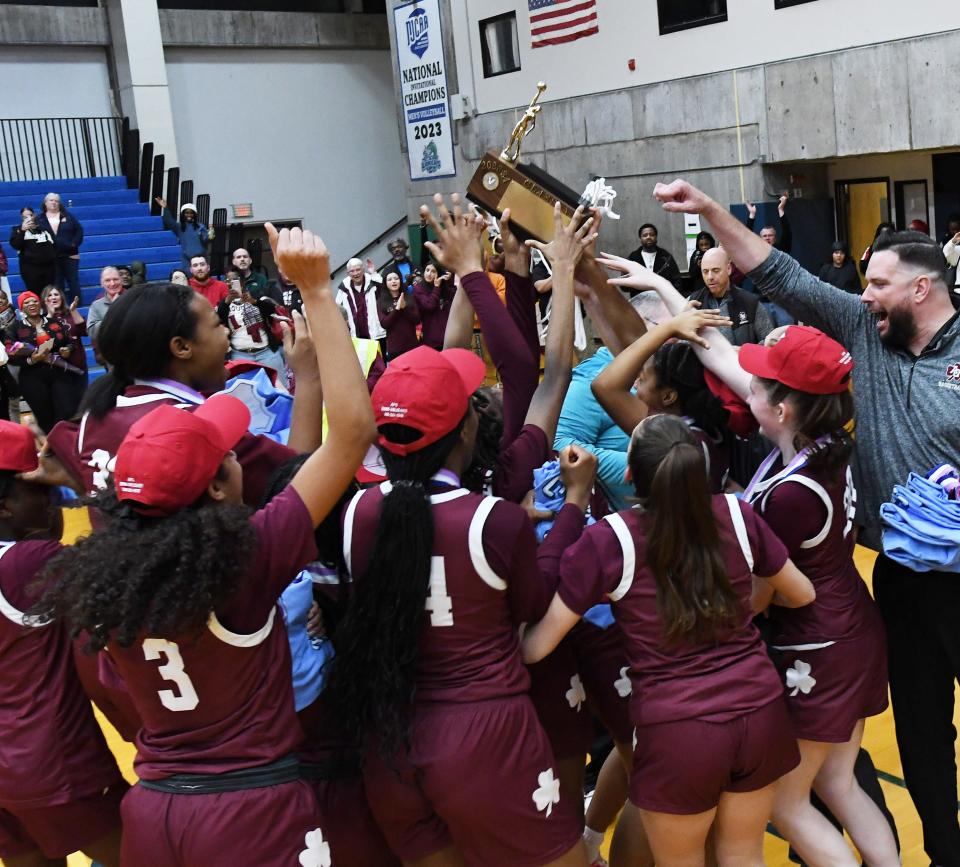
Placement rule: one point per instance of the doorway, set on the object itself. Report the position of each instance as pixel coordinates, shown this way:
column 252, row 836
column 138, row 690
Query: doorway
column 912, row 203
column 861, row 206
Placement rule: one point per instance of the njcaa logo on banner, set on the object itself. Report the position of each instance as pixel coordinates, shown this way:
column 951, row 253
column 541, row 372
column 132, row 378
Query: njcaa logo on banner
column 418, row 32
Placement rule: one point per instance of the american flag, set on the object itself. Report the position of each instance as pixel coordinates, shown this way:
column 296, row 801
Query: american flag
column 556, row 21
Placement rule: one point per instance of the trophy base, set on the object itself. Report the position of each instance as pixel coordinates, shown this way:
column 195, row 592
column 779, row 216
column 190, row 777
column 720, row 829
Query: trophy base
column 528, row 191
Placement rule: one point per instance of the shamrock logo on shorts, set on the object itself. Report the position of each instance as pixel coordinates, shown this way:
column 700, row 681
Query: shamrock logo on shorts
column 799, row 679
column 317, row 853
column 549, row 792
column 576, row 695
column 622, row 684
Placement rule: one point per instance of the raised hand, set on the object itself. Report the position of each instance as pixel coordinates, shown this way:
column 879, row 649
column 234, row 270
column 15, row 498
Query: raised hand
column 161, row 201
column 751, row 210
column 578, row 469
column 302, row 256
column 782, row 204
column 569, row 242
column 458, row 236
column 298, row 348
column 635, row 275
column 688, row 323
column 681, row 197
column 516, row 257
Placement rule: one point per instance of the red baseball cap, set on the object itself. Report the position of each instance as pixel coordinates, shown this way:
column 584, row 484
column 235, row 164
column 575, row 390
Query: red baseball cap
column 804, row 359
column 18, row 449
column 428, row 391
column 169, row 456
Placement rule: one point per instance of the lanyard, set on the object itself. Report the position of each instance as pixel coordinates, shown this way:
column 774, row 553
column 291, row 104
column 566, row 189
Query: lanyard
column 758, row 485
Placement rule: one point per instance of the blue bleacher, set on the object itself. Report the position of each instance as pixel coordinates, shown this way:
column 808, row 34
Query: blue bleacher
column 117, row 230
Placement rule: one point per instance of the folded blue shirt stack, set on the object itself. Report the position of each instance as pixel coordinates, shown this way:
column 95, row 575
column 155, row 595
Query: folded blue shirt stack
column 922, row 523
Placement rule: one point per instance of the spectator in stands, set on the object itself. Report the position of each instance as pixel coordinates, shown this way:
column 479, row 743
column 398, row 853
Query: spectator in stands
column 180, row 277
column 66, row 328
column 254, row 283
column 433, row 294
column 254, row 326
column 882, row 229
column 37, row 252
column 191, row 234
column 357, row 296
column 33, row 348
column 9, row 390
column 751, row 322
column 4, row 268
column 112, row 287
column 126, row 276
column 68, row 236
column 951, row 252
column 840, row 270
column 400, row 262
column 769, row 233
column 290, row 293
column 705, row 241
column 209, row 287
column 398, row 315
column 655, row 258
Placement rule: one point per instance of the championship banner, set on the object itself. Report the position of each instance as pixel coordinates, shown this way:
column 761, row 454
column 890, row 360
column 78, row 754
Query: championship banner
column 423, row 90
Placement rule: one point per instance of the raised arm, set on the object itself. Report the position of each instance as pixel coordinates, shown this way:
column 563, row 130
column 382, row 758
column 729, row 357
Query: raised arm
column 322, row 479
column 720, row 357
column 563, row 252
column 459, row 331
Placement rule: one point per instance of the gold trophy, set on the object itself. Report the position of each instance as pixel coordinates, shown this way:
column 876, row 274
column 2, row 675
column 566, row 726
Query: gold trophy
column 502, row 182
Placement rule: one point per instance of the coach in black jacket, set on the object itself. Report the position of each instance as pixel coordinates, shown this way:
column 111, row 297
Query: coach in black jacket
column 655, row 258
column 751, row 321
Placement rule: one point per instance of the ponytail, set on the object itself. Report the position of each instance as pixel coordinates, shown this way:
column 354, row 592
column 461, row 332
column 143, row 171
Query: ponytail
column 373, row 675
column 696, row 601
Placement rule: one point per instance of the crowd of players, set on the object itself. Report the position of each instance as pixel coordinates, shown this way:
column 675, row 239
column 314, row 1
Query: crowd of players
column 425, row 691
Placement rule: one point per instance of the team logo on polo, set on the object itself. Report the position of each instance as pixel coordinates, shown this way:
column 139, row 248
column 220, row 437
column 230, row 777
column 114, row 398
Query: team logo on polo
column 952, row 378
column 418, row 32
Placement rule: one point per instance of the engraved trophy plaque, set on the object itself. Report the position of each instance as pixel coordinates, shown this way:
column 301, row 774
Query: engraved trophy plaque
column 502, row 181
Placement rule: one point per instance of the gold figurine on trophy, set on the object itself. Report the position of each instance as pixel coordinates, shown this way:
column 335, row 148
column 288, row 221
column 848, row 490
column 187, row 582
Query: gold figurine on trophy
column 502, row 182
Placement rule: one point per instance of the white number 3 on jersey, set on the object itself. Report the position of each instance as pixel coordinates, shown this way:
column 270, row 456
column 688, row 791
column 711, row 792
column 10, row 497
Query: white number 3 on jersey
column 439, row 603
column 173, row 671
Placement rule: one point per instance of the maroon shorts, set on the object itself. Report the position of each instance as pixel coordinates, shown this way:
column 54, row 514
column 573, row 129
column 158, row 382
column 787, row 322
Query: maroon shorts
column 602, row 663
column 274, row 826
column 355, row 838
column 479, row 776
column 61, row 830
column 829, row 689
column 684, row 766
column 559, row 698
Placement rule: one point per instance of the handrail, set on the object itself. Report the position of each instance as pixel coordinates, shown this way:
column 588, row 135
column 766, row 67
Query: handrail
column 48, row 148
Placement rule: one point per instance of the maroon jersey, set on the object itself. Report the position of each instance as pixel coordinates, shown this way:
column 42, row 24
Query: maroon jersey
column 513, row 475
column 222, row 700
column 52, row 751
column 716, row 681
column 484, row 582
column 813, row 516
column 88, row 448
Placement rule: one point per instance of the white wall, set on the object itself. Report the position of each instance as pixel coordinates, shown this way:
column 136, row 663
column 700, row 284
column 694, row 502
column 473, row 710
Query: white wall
column 299, row 133
column 754, row 33
column 82, row 82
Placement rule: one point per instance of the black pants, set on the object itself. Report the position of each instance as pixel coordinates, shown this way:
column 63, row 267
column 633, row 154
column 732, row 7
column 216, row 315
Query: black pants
column 53, row 395
column 922, row 614
column 36, row 277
